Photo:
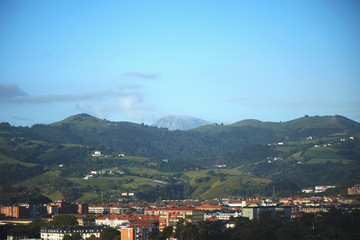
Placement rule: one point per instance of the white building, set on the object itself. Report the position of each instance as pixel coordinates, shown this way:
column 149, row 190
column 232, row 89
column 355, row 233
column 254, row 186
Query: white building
column 112, row 221
column 98, row 209
column 58, row 233
column 307, row 190
column 96, row 153
column 322, row 188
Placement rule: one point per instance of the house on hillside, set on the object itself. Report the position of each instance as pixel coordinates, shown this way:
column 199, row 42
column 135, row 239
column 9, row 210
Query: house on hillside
column 307, row 190
column 96, row 154
column 220, row 165
column 319, row 189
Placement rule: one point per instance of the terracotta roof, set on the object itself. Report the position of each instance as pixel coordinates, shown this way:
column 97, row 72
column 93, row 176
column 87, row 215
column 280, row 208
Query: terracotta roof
column 210, row 207
column 113, row 218
column 146, row 223
column 130, row 218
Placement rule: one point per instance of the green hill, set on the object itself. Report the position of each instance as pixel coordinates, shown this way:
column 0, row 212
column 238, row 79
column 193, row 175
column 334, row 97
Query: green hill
column 56, row 157
column 143, row 140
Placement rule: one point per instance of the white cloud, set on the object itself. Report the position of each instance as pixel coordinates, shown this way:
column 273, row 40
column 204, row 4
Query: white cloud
column 131, row 105
column 126, row 100
column 49, row 98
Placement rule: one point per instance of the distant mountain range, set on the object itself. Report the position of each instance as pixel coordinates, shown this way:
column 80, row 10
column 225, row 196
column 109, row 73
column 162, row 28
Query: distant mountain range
column 189, row 145
column 179, row 122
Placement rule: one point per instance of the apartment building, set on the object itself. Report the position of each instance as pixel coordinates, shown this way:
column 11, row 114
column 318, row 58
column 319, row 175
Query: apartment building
column 58, row 232
column 171, row 216
column 14, row 211
column 139, row 230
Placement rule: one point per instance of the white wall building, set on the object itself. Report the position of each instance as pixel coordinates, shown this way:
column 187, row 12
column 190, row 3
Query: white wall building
column 112, row 221
column 58, row 233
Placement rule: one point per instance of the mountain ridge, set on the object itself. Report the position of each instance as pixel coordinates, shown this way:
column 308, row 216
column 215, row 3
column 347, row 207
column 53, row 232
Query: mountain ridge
column 179, row 122
column 306, row 151
column 189, row 145
column 306, row 121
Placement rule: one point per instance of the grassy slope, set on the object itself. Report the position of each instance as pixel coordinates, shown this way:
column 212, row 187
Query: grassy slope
column 6, row 159
column 42, row 182
column 323, row 155
column 235, row 180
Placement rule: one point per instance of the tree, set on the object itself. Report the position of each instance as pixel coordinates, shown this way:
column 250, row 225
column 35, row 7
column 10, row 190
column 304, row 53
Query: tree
column 109, row 234
column 67, row 237
column 64, row 220
column 76, row 236
column 186, row 230
column 166, row 233
column 33, row 228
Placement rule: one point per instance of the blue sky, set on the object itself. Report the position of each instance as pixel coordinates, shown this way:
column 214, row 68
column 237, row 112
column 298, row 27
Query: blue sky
column 222, row 61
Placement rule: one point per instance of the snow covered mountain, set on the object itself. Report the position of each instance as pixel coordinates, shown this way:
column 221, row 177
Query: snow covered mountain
column 174, row 122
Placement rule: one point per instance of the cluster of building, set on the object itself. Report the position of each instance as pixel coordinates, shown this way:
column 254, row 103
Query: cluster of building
column 99, row 154
column 317, row 189
column 273, row 159
column 354, row 190
column 33, row 210
column 137, row 221
column 103, row 172
column 331, row 144
column 59, row 232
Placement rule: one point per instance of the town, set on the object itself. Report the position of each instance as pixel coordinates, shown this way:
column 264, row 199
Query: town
column 159, row 220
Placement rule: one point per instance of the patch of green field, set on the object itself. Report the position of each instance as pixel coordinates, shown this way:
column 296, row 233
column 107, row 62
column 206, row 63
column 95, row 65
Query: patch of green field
column 126, row 158
column 148, row 171
column 40, row 180
column 54, row 196
column 203, row 173
column 53, row 173
column 101, row 181
column 234, row 181
column 325, row 160
column 72, row 145
column 88, row 197
column 300, row 142
column 6, row 159
column 133, row 158
column 296, row 155
column 324, row 155
column 124, row 181
column 138, row 181
column 209, row 184
column 232, row 185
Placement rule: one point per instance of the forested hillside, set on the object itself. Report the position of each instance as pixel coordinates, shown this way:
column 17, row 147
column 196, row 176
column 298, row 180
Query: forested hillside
column 254, row 156
column 143, row 140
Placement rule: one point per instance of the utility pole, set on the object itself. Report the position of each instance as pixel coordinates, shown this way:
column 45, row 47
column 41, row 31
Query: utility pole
column 273, row 195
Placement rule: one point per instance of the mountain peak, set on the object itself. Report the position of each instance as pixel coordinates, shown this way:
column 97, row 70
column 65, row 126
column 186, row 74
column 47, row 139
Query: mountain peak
column 79, row 117
column 179, row 122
